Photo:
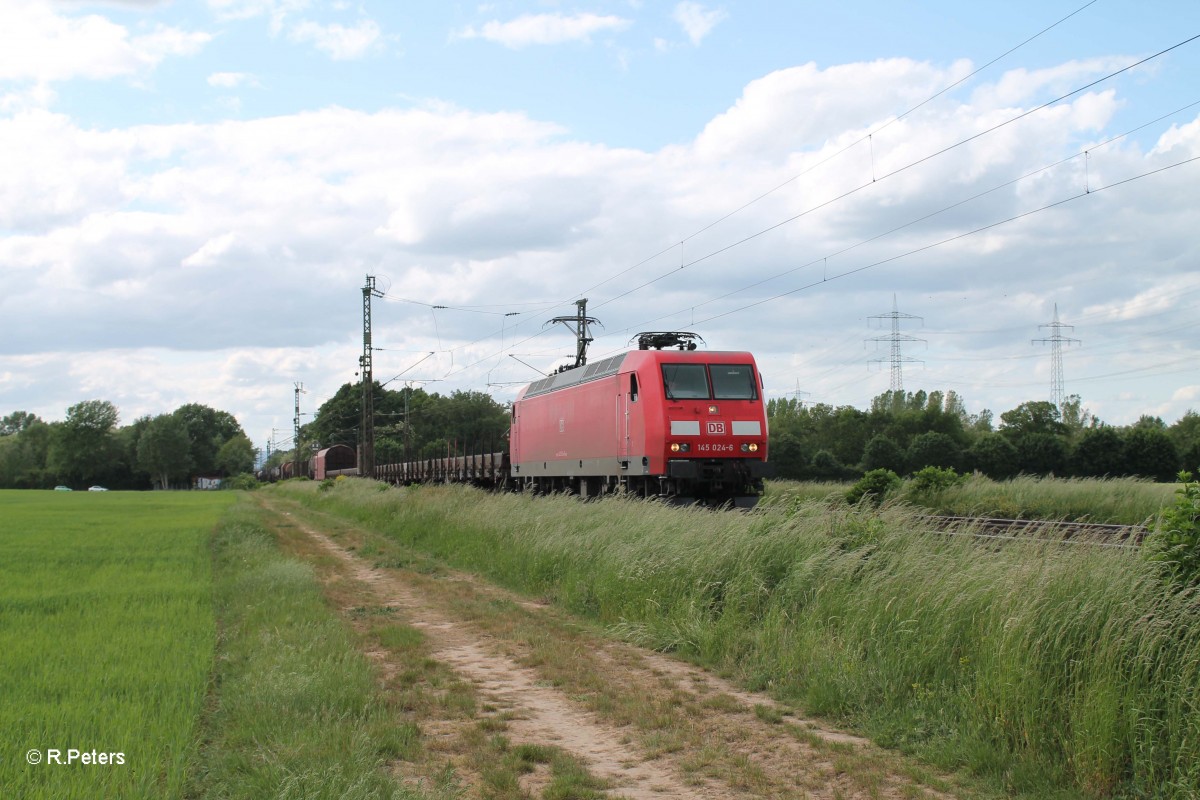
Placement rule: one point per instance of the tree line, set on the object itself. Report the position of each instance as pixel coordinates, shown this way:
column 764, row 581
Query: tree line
column 903, row 432
column 410, row 423
column 906, row 431
column 90, row 447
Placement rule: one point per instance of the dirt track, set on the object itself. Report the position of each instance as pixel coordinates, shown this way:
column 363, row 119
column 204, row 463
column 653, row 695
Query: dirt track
column 713, row 741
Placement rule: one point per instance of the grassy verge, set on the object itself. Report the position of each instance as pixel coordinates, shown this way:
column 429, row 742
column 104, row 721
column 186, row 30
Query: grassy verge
column 296, row 712
column 1051, row 671
column 1121, row 501
column 106, row 640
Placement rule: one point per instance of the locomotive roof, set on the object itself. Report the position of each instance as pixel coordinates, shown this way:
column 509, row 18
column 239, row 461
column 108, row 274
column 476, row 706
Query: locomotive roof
column 612, row 365
column 591, row 372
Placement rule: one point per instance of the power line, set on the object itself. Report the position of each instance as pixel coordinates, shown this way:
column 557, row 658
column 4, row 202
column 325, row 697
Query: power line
column 549, row 304
column 742, row 308
column 825, row 259
column 954, row 238
column 843, row 150
column 893, row 173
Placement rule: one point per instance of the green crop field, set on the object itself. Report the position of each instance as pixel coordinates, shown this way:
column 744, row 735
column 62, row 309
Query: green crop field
column 106, row 642
column 159, row 645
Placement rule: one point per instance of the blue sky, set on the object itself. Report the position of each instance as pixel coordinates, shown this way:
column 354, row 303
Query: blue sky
column 195, row 190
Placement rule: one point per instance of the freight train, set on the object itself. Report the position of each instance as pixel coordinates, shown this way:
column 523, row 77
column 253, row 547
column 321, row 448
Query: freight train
column 664, row 421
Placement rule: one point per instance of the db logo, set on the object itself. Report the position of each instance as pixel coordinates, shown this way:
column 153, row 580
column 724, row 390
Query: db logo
column 716, row 429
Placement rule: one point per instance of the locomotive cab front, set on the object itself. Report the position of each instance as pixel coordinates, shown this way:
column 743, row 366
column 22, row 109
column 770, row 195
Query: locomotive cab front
column 714, row 442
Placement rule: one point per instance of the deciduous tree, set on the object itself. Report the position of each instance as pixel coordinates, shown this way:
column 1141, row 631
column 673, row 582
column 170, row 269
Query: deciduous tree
column 164, row 450
column 1100, row 452
column 207, row 430
column 1150, row 453
column 236, row 456
column 83, row 448
column 934, row 449
column 994, row 455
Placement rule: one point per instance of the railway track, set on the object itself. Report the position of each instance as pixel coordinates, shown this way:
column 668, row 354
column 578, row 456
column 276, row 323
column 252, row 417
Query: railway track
column 1078, row 533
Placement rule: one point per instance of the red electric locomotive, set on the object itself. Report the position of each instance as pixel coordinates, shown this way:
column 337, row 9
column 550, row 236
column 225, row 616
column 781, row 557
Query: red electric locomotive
column 679, row 424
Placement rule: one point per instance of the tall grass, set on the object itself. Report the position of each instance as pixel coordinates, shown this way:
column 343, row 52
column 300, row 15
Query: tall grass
column 1123, row 501
column 106, row 638
column 1047, row 668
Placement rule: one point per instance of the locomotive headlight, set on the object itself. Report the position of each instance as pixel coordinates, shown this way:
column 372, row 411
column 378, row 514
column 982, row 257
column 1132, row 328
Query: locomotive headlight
column 751, row 447
column 674, row 447
column 754, row 447
column 712, row 409
column 685, row 447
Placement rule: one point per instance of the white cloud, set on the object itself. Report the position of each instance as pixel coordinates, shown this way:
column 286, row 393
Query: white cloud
column 696, row 20
column 38, row 44
column 277, row 11
column 231, row 80
column 166, row 41
column 1180, row 140
column 1018, row 86
column 532, row 29
column 220, row 262
column 800, row 108
column 39, row 95
column 339, row 42
column 211, row 251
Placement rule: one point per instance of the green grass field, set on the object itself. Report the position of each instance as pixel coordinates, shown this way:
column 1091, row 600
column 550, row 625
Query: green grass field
column 168, row 628
column 107, row 638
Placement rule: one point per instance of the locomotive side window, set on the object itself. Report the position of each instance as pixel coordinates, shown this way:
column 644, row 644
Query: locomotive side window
column 685, row 381
column 733, row 382
column 633, row 387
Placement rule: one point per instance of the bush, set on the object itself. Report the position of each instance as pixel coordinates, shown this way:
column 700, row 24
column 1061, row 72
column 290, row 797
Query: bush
column 245, row 481
column 1177, row 541
column 876, row 485
column 931, row 481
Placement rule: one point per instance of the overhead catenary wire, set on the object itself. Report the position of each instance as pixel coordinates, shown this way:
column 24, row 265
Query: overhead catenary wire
column 552, row 304
column 956, row 237
column 924, row 248
column 893, row 173
column 880, row 262
column 1087, row 190
column 825, row 259
column 841, row 151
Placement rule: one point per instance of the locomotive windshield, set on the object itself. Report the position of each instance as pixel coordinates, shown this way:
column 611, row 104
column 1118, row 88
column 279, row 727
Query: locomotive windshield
column 733, row 382
column 691, row 382
column 685, row 381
